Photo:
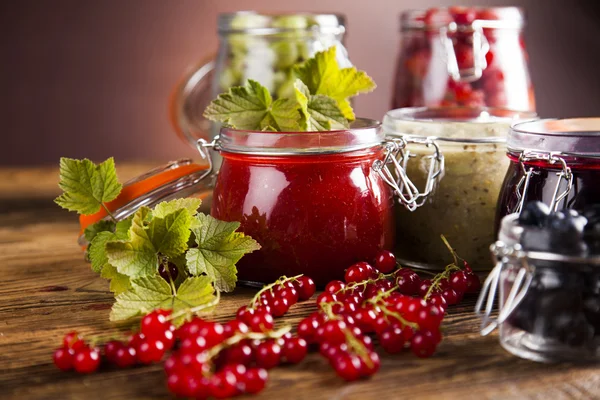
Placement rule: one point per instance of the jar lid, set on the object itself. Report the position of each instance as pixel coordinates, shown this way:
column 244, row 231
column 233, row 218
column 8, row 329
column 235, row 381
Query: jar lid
column 572, row 136
column 463, row 18
column 453, row 124
column 362, row 134
column 173, row 180
column 255, row 23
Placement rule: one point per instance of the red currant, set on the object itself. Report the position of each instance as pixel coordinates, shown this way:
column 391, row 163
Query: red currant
column 294, row 350
column 391, row 339
column 451, row 297
column 73, row 341
column 305, row 287
column 288, row 293
column 385, row 261
column 408, row 283
column 63, row 359
column 223, row 385
column 358, row 272
column 110, row 349
column 371, row 366
column 124, row 357
column 365, row 319
column 334, row 286
column 424, row 287
column 279, row 306
column 268, row 354
column 438, row 300
column 429, row 317
column 473, row 283
column 255, row 380
column 326, row 297
column 331, row 331
column 240, row 353
column 213, row 333
column 307, row 329
column 232, row 327
column 86, row 360
column 422, row 346
column 347, row 366
column 149, row 351
column 154, row 324
column 459, row 282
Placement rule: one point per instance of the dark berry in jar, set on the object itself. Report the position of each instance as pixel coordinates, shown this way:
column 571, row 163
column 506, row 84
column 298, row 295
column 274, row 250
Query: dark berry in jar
column 535, row 213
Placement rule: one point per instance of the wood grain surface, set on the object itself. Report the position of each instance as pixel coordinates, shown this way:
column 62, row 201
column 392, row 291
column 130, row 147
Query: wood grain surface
column 46, row 289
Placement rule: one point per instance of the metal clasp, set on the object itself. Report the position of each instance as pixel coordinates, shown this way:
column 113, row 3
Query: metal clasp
column 481, row 46
column 203, row 147
column 523, row 184
column 503, row 256
column 397, row 155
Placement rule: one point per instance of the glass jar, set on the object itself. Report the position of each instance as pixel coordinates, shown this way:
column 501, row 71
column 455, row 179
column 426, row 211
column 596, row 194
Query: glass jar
column 311, row 199
column 174, row 180
column 462, row 56
column 454, row 163
column 252, row 46
column 556, row 161
column 549, row 304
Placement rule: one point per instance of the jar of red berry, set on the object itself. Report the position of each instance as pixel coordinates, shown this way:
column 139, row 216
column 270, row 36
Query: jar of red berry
column 311, row 199
column 463, row 56
column 555, row 161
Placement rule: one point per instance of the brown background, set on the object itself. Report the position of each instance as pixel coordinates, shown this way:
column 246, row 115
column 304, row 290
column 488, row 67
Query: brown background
column 92, row 78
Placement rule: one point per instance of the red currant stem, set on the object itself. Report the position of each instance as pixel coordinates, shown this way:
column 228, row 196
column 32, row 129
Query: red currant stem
column 214, row 351
column 452, row 251
column 438, row 277
column 328, row 309
column 388, row 313
column 358, row 347
column 270, row 287
column 195, row 310
column 354, row 285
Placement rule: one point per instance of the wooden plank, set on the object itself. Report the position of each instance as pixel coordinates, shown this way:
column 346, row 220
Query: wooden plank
column 46, row 289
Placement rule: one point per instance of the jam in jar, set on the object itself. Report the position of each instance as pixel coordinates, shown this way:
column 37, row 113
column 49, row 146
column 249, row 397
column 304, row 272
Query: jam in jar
column 461, row 56
column 455, row 157
column 553, row 161
column 311, row 199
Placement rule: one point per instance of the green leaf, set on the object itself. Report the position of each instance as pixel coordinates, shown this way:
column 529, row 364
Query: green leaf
column 123, row 226
column 323, row 113
column 139, row 255
column 86, row 185
column 322, row 75
column 147, row 294
column 167, row 207
column 119, row 283
column 104, row 225
column 219, row 249
column 251, row 107
column 97, row 251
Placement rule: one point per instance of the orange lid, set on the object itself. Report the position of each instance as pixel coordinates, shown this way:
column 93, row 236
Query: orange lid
column 176, row 178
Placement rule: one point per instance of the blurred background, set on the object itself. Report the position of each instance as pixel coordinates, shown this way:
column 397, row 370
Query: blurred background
column 93, row 78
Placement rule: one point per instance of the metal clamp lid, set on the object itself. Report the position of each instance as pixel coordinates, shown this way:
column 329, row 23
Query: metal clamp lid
column 397, row 156
column 503, row 255
column 480, row 45
column 552, row 158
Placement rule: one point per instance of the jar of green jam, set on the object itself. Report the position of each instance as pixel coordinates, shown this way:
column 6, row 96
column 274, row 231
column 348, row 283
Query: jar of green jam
column 452, row 167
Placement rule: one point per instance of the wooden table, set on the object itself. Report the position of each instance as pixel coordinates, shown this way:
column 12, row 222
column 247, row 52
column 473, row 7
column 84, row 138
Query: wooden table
column 47, row 289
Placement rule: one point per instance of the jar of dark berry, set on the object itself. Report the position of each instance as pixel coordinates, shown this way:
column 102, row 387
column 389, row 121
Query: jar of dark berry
column 452, row 163
column 555, row 161
column 311, row 199
column 547, row 281
column 463, row 56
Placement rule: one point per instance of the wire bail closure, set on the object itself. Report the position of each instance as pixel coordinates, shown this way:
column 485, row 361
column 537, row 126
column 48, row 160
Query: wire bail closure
column 503, row 255
column 523, row 184
column 481, row 47
column 397, row 155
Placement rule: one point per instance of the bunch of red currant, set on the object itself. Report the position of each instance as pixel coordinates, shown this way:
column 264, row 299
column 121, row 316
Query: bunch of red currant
column 211, row 359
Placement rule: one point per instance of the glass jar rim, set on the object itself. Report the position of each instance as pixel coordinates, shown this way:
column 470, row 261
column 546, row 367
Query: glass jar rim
column 269, row 24
column 510, row 227
column 505, row 18
column 463, row 118
column 362, row 134
column 568, row 136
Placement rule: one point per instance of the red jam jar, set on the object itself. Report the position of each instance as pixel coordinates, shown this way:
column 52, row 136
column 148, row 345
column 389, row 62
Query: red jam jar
column 463, row 56
column 312, row 200
column 556, row 161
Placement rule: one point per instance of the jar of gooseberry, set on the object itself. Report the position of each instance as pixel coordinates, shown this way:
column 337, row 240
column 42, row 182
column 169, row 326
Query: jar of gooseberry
column 463, row 56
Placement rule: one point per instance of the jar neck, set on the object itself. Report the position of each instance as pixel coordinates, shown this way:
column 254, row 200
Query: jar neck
column 463, row 19
column 253, row 23
column 575, row 163
column 369, row 154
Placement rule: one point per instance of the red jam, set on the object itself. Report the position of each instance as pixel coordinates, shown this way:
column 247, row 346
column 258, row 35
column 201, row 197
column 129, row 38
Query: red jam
column 493, row 73
column 312, row 214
